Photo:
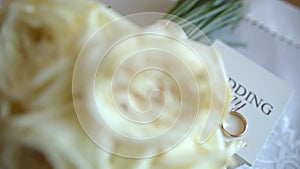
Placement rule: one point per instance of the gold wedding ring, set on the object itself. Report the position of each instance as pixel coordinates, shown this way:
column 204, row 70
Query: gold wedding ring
column 245, row 126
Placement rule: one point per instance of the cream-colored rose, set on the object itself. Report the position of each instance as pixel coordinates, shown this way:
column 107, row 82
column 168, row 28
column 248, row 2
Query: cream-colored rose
column 39, row 44
column 157, row 74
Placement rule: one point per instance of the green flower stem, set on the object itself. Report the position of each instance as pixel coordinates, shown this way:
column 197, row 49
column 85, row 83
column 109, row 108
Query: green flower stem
column 203, row 17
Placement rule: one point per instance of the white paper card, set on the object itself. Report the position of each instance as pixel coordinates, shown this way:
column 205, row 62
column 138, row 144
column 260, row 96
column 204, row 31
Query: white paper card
column 257, row 94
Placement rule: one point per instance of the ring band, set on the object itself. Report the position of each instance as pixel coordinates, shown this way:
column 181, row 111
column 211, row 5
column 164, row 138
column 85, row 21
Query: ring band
column 245, row 126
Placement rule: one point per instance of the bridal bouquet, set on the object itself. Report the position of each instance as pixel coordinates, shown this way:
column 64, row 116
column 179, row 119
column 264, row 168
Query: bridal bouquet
column 41, row 42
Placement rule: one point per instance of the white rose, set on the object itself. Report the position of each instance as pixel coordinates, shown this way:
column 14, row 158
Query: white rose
column 135, row 90
column 39, row 44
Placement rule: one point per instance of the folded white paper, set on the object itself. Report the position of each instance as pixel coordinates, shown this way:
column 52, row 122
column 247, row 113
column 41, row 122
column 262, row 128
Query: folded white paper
column 257, row 94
